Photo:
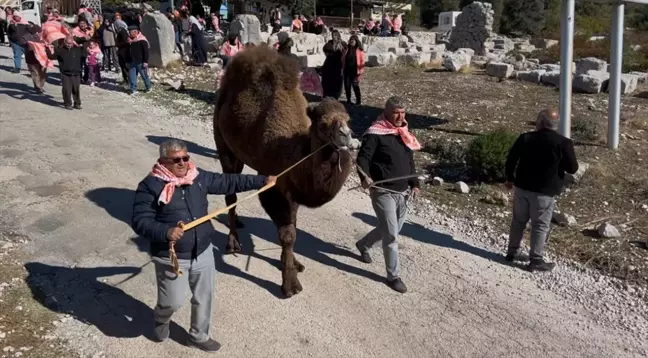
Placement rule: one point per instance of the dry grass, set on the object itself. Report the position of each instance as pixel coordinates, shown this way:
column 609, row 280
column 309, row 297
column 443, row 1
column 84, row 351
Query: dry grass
column 466, row 70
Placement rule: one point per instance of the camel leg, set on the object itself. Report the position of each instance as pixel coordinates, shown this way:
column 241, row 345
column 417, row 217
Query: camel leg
column 283, row 213
column 231, row 165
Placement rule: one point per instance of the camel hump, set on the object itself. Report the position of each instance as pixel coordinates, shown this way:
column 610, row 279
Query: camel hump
column 263, row 68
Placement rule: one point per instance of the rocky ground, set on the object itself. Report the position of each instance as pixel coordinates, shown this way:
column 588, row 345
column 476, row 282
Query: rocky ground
column 77, row 271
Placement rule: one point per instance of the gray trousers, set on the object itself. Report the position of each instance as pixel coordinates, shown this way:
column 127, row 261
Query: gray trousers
column 198, row 276
column 538, row 208
column 391, row 210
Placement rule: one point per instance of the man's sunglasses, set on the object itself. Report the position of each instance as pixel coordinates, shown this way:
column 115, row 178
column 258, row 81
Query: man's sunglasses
column 178, row 159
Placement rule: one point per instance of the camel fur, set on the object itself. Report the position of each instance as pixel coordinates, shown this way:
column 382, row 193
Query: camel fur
column 262, row 120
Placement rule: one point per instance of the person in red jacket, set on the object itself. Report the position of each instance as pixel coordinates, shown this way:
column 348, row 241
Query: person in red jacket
column 352, row 68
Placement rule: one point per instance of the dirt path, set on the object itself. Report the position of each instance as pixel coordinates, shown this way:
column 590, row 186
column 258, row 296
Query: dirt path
column 67, row 180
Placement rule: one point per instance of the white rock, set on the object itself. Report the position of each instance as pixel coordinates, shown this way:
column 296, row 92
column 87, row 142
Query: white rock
column 381, row 59
column 455, row 61
column 533, row 76
column 418, row 58
column 159, row 32
column 590, row 63
column 576, row 177
column 551, row 78
column 591, row 81
column 176, row 85
column 437, row 181
column 182, row 102
column 248, row 27
column 641, row 76
column 462, row 187
column 564, row 219
column 628, row 83
column 607, row 230
column 549, row 67
column 499, row 70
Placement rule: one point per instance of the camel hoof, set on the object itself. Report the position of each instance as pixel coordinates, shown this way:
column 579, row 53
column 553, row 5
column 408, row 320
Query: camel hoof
column 291, row 285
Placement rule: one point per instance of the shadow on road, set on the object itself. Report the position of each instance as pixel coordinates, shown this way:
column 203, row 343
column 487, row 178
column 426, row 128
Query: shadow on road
column 422, row 234
column 118, row 202
column 191, row 146
column 80, row 293
column 23, row 91
column 306, row 245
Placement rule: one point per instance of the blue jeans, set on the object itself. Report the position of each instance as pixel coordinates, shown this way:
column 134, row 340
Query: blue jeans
column 133, row 70
column 18, row 52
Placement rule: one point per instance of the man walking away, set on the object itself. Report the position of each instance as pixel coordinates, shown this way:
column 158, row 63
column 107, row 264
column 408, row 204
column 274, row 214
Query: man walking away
column 175, row 191
column 68, row 55
column 138, row 59
column 536, row 165
column 386, row 153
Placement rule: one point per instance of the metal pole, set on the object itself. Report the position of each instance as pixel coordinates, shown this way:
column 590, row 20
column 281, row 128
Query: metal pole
column 566, row 58
column 351, row 25
column 614, row 85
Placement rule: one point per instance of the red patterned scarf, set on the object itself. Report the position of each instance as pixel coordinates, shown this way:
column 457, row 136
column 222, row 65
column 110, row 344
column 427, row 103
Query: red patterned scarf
column 159, row 171
column 384, row 127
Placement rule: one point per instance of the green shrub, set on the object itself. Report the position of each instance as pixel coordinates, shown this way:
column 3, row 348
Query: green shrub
column 585, row 129
column 448, row 151
column 486, row 155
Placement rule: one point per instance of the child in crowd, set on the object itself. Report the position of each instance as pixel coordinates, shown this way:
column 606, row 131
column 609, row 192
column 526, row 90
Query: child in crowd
column 94, row 59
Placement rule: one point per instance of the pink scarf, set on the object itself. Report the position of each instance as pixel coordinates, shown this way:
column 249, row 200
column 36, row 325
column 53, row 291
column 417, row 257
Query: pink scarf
column 77, row 32
column 160, row 172
column 384, row 127
column 138, row 38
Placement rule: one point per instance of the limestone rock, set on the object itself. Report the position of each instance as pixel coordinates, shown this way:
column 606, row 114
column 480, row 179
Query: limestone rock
column 590, row 63
column 564, row 219
column 576, row 177
column 381, row 59
column 247, row 27
column 159, row 33
column 628, row 83
column 608, row 231
column 376, row 45
column 545, row 43
column 176, row 85
column 551, row 78
column 462, row 187
column 455, row 61
column 591, row 81
column 641, row 76
column 549, row 67
column 436, row 56
column 474, row 28
column 499, row 70
column 533, row 76
column 437, row 181
column 418, row 58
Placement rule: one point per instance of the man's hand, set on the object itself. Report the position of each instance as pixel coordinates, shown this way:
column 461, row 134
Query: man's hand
column 271, row 180
column 508, row 185
column 366, row 183
column 416, row 192
column 145, row 65
column 174, row 234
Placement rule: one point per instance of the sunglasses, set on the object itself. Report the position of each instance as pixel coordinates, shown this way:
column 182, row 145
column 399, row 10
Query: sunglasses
column 177, row 160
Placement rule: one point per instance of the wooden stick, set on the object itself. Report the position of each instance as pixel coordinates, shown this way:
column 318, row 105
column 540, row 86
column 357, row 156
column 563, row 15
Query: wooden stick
column 208, row 217
column 388, row 180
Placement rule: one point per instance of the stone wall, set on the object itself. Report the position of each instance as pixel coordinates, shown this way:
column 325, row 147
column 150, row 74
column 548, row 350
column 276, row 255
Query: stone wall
column 474, row 28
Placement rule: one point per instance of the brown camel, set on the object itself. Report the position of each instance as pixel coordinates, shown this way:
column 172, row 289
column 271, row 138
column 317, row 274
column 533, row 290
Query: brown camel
column 262, row 120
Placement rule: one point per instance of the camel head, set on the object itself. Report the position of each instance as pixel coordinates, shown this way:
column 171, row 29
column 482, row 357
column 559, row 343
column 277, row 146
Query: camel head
column 330, row 123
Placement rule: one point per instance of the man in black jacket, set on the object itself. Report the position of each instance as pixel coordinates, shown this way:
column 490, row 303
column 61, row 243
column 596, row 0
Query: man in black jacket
column 138, row 56
column 69, row 54
column 387, row 153
column 536, row 165
column 177, row 191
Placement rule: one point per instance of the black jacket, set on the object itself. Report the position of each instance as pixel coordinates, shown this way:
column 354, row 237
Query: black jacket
column 384, row 157
column 69, row 59
column 189, row 202
column 21, row 33
column 138, row 53
column 538, row 161
column 121, row 41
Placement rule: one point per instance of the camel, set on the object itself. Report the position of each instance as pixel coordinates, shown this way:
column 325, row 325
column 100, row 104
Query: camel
column 262, row 120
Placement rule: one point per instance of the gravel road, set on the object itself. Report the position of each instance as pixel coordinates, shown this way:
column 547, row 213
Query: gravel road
column 67, row 181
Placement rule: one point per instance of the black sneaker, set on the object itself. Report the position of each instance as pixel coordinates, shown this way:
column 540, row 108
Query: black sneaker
column 68, row 107
column 540, row 265
column 77, row 106
column 364, row 254
column 209, row 345
column 518, row 257
column 161, row 331
column 397, row 285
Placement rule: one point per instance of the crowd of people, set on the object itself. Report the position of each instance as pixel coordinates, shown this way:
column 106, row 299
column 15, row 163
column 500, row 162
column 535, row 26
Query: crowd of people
column 389, row 26
column 189, row 33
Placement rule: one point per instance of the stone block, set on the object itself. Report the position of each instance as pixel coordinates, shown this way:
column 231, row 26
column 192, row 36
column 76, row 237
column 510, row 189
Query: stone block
column 641, row 76
column 628, row 83
column 159, row 33
column 247, row 27
column 455, row 61
column 590, row 82
column 499, row 69
column 379, row 45
column 533, row 76
column 551, row 78
column 381, row 59
column 418, row 58
column 590, row 63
